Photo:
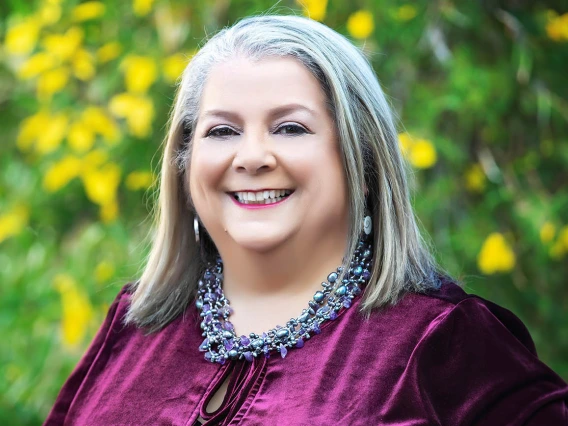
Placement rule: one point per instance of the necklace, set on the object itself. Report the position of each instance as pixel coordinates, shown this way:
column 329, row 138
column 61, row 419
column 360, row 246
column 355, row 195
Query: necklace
column 221, row 342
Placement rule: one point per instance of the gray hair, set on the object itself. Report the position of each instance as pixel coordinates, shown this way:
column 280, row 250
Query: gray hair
column 371, row 157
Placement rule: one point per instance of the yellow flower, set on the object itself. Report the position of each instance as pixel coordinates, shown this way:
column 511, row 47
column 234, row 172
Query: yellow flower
column 98, row 121
column 142, row 7
column 109, row 211
column 13, row 222
column 80, row 137
column 557, row 27
column 94, row 159
column 49, row 13
column 138, row 111
column 83, row 65
column 61, row 173
column 314, row 9
column 475, row 178
column 104, row 271
column 109, row 51
column 360, row 24
column 36, row 65
column 52, row 82
column 77, row 310
column 51, row 136
column 406, row 12
column 173, row 66
column 101, row 184
column 31, row 128
column 64, row 46
column 139, row 180
column 495, row 255
column 547, row 232
column 88, row 10
column 21, row 38
column 140, row 72
column 420, row 153
column 423, row 154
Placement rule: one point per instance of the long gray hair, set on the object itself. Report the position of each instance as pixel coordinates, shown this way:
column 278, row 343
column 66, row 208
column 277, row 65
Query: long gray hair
column 369, row 148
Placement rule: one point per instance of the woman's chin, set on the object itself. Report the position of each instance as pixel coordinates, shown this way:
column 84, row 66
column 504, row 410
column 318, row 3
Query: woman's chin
column 261, row 241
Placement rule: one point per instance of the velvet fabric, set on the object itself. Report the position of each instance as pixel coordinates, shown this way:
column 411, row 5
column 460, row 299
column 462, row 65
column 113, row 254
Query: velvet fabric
column 444, row 358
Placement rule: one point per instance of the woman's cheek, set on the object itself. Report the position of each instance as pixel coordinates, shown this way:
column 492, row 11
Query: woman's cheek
column 209, row 164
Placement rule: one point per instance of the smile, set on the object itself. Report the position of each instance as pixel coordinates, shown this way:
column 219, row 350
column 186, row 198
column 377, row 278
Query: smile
column 267, row 196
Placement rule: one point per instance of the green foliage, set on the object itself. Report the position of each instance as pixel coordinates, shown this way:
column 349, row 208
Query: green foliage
column 479, row 87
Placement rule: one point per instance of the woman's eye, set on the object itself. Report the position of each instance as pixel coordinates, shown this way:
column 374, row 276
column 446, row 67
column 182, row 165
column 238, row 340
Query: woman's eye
column 291, row 129
column 220, row 132
column 286, row 129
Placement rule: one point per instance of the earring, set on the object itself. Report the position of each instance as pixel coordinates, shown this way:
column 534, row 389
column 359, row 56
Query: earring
column 367, row 221
column 367, row 225
column 196, row 228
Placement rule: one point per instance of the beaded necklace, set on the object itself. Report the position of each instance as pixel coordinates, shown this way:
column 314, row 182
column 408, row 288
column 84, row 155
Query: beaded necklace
column 221, row 342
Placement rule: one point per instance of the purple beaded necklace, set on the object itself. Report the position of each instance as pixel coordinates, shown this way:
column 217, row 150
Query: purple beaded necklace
column 221, row 342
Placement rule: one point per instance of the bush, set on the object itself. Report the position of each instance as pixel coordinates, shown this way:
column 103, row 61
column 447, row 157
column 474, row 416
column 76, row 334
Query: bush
column 85, row 90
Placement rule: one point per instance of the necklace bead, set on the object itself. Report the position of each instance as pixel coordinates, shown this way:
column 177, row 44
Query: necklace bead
column 221, row 342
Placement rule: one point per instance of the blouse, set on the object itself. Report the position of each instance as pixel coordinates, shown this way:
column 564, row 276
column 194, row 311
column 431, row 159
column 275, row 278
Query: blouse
column 441, row 358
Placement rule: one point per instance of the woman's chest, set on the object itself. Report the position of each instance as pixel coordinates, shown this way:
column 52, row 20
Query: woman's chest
column 161, row 388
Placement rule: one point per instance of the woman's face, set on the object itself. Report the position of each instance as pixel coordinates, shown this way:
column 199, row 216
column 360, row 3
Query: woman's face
column 265, row 164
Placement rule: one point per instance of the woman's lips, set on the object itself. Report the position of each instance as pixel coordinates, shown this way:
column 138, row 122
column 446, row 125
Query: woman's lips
column 262, row 199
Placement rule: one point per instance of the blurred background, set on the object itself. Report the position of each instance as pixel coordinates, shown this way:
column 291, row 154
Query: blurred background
column 85, row 89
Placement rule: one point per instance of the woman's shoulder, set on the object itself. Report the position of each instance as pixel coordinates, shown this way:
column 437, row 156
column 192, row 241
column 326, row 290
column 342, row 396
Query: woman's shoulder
column 472, row 357
column 457, row 310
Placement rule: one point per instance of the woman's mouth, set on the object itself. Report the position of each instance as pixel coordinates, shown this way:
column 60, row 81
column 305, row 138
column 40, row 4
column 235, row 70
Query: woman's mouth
column 264, row 197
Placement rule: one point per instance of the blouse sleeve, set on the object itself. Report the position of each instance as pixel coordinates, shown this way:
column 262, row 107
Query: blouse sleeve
column 68, row 391
column 477, row 366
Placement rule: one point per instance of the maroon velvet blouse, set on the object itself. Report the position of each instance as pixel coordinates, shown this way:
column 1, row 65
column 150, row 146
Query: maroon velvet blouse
column 445, row 358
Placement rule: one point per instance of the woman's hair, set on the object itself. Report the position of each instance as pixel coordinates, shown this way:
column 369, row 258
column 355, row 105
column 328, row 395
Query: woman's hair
column 369, row 149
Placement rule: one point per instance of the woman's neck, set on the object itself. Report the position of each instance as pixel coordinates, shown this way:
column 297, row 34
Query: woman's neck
column 266, row 289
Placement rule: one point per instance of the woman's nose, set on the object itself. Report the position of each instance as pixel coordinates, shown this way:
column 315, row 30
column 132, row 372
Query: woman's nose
column 254, row 155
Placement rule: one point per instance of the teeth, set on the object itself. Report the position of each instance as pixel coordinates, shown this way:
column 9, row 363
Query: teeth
column 262, row 197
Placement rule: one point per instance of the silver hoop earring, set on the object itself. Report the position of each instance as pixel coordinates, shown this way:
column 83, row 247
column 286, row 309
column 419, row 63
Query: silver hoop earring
column 196, row 229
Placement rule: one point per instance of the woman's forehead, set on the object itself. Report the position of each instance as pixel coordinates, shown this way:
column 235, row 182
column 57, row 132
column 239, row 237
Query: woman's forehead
column 269, row 84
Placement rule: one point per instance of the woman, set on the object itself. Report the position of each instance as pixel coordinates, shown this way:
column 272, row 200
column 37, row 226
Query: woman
column 282, row 170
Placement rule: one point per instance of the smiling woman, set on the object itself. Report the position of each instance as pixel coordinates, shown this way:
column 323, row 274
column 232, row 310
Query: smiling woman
column 283, row 190
column 277, row 135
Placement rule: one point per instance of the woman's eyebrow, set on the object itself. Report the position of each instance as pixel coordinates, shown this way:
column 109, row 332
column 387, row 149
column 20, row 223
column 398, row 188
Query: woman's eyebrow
column 272, row 114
